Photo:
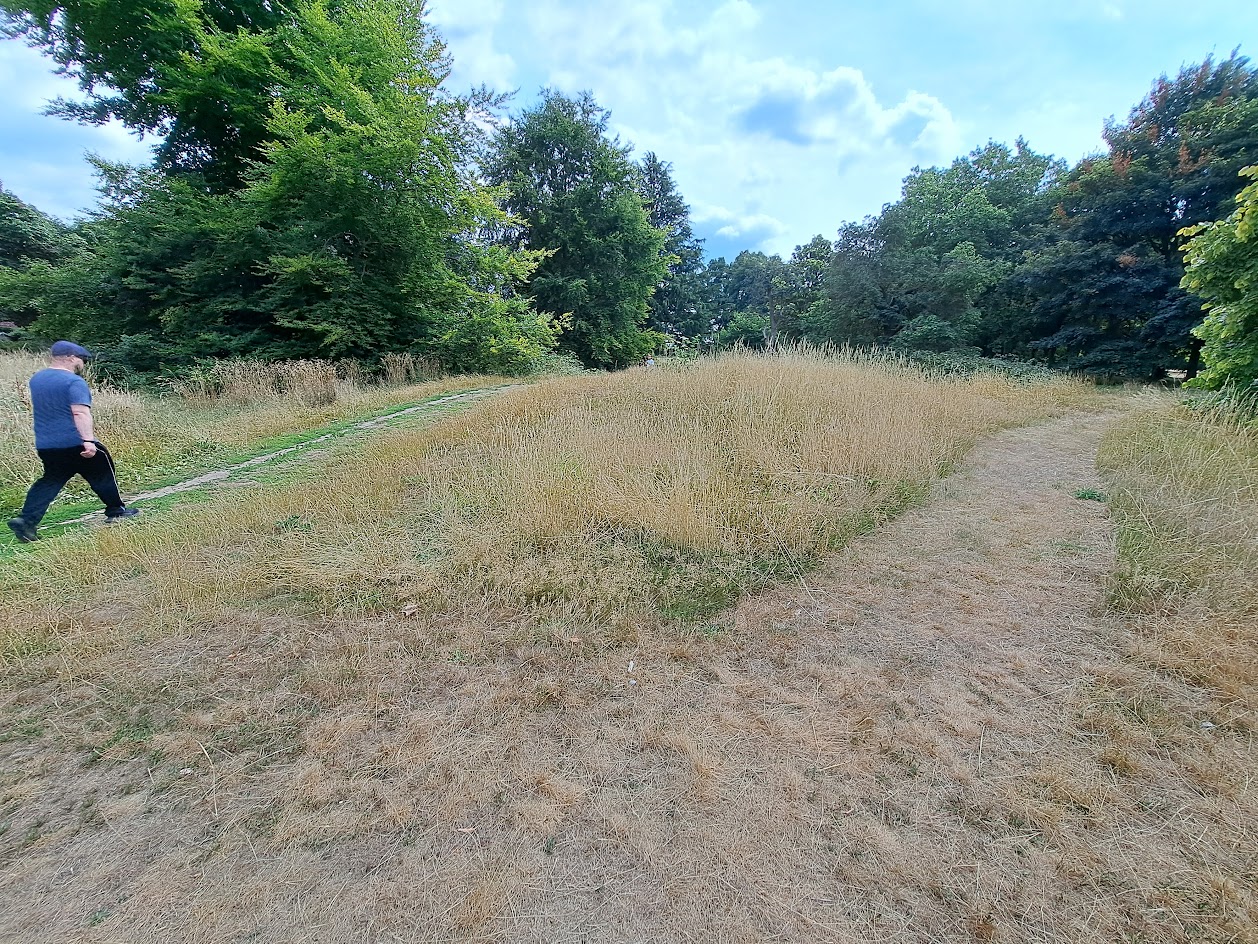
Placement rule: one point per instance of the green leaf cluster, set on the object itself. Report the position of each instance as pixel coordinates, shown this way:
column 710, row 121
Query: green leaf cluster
column 1222, row 269
column 1010, row 253
column 353, row 225
column 929, row 273
column 577, row 192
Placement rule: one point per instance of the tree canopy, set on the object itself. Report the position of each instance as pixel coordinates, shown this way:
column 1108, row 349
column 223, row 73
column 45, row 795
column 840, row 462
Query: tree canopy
column 1222, row 268
column 1106, row 284
column 316, row 191
column 198, row 76
column 578, row 194
column 677, row 306
column 359, row 227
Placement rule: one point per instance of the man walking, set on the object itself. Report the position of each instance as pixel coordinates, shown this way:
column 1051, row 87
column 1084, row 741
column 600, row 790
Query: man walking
column 66, row 441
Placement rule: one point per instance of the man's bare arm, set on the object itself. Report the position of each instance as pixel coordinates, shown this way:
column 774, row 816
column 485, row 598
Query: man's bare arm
column 87, row 431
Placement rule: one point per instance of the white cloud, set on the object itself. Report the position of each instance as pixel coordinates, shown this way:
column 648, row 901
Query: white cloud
column 28, row 79
column 42, row 158
column 838, row 110
column 764, row 145
column 732, row 225
column 470, row 25
column 760, row 146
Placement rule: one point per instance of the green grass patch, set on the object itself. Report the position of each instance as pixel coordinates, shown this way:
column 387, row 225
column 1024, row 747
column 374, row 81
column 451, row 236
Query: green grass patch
column 63, row 514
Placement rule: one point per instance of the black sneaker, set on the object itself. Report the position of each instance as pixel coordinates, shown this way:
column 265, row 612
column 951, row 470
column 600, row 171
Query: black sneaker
column 125, row 513
column 24, row 530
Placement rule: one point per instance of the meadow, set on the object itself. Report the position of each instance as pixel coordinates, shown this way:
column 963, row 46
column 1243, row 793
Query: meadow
column 583, row 503
column 745, row 649
column 1183, row 488
column 205, row 417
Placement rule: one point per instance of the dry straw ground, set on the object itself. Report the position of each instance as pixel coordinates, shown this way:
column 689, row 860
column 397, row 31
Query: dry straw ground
column 489, row 686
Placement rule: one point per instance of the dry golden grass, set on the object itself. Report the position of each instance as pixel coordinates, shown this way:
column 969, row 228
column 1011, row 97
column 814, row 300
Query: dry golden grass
column 586, row 505
column 214, row 412
column 416, row 706
column 1184, row 489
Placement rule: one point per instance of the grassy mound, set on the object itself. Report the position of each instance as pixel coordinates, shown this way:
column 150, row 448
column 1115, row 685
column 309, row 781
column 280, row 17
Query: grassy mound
column 585, row 505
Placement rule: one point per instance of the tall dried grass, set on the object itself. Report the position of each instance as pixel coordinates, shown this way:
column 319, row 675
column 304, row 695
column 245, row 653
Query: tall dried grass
column 207, row 412
column 587, row 504
column 879, row 752
column 1184, row 491
column 308, row 382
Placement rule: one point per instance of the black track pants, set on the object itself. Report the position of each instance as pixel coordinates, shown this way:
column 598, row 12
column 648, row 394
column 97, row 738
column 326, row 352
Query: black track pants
column 61, row 465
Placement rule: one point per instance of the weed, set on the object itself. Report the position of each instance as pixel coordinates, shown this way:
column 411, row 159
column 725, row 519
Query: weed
column 130, row 734
column 22, row 728
column 1090, row 494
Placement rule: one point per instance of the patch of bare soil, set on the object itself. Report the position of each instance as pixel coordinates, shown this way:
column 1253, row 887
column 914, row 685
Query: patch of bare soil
column 941, row 736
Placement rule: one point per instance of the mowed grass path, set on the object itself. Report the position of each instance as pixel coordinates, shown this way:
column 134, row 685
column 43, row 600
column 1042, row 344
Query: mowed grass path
column 230, row 414
column 486, row 683
column 270, row 460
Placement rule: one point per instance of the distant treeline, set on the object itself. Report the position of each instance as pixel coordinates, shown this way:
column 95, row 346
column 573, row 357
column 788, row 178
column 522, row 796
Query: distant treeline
column 318, row 192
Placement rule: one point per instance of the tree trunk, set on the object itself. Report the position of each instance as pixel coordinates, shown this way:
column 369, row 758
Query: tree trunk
column 1194, row 357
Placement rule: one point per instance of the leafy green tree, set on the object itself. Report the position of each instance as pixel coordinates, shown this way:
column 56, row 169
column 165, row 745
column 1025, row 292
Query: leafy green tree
column 927, row 272
column 1221, row 267
column 985, row 199
column 677, row 306
column 746, row 297
column 358, row 230
column 745, row 329
column 576, row 190
column 798, row 288
column 198, row 75
column 857, row 305
column 28, row 235
column 1106, row 284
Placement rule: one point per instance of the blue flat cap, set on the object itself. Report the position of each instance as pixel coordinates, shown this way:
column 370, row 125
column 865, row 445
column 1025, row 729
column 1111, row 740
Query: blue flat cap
column 70, row 349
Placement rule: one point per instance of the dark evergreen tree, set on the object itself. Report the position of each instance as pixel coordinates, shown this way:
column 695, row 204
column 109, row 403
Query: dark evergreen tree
column 678, row 306
column 576, row 190
column 1106, row 287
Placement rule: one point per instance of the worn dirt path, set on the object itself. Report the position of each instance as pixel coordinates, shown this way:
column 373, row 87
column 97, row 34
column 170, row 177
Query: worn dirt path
column 980, row 771
column 918, row 743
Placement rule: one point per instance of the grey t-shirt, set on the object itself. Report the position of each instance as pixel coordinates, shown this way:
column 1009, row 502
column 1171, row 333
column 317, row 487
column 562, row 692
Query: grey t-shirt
column 53, row 392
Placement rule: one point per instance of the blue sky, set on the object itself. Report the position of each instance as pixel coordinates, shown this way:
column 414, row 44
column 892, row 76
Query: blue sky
column 782, row 118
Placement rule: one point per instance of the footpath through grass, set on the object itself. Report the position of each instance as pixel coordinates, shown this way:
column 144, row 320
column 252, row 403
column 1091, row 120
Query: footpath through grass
column 477, row 682
column 272, row 460
column 159, row 442
column 591, row 505
column 481, row 673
